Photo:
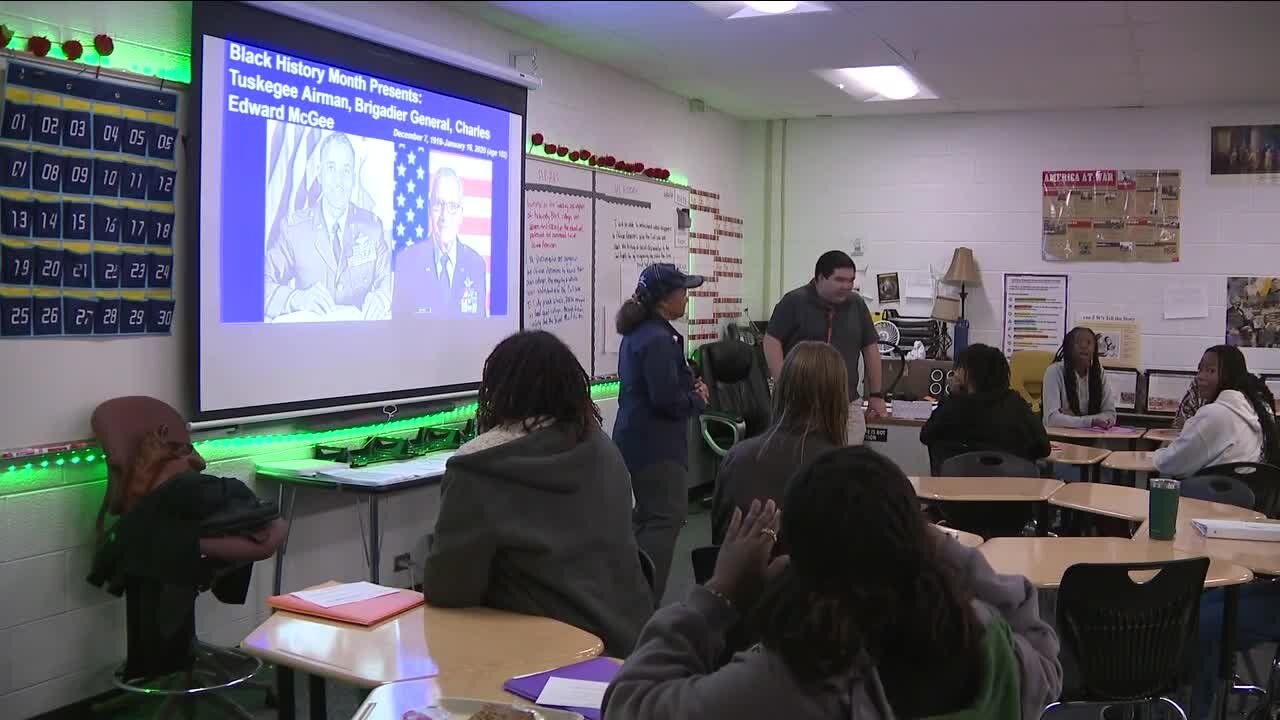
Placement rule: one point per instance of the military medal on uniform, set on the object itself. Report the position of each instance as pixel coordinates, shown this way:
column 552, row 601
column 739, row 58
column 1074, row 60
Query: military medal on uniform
column 470, row 297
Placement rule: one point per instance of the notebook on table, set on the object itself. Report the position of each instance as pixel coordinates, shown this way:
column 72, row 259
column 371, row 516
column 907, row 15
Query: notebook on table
column 364, row 612
column 530, row 687
column 1237, row 529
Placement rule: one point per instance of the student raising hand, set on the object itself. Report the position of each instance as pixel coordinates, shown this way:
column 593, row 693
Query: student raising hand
column 744, row 566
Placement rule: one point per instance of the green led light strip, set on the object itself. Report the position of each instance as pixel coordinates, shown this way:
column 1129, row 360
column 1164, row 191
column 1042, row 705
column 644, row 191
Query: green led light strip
column 219, row 448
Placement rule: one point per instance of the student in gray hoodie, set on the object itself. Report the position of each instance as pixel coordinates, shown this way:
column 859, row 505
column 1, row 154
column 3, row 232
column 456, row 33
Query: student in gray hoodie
column 535, row 513
column 873, row 615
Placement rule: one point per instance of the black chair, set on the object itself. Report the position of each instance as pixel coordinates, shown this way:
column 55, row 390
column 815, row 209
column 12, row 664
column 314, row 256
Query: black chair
column 1127, row 641
column 704, row 562
column 1220, row 489
column 988, row 519
column 1262, row 479
column 739, row 408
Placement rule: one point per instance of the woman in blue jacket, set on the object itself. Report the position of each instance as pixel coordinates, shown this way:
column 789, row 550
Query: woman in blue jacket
column 659, row 394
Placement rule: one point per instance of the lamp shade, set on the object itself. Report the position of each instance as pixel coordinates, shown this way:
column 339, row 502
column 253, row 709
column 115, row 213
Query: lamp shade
column 945, row 309
column 963, row 270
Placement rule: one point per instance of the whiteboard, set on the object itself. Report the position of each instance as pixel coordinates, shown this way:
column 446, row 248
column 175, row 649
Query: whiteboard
column 635, row 226
column 558, row 226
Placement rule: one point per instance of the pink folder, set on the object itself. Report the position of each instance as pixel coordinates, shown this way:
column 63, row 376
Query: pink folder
column 366, row 612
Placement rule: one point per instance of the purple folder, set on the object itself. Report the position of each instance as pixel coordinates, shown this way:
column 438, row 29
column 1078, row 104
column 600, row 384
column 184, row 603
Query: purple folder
column 530, row 687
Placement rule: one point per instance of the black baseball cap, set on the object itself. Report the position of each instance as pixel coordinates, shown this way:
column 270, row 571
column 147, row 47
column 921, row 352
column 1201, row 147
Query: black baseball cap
column 661, row 279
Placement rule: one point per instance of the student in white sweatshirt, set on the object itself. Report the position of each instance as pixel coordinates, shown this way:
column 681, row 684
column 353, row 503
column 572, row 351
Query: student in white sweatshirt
column 1235, row 425
column 1076, row 394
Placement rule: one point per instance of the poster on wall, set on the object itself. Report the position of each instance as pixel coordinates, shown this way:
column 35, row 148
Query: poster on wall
column 1111, row 215
column 1119, row 340
column 1245, row 150
column 1035, row 312
column 1253, row 312
column 87, row 205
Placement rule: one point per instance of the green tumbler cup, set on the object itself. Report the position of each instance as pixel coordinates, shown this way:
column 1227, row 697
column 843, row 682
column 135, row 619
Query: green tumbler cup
column 1162, row 510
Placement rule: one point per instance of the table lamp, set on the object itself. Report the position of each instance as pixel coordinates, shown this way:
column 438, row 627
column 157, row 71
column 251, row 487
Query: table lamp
column 963, row 272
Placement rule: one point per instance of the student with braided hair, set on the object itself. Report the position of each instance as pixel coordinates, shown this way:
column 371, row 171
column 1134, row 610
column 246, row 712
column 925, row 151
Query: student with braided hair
column 873, row 615
column 1076, row 394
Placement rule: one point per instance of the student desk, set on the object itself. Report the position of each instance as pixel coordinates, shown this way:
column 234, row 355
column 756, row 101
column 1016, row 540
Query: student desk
column 1130, row 503
column 1130, row 462
column 1161, row 435
column 966, row 539
column 416, row 472
column 474, row 649
column 985, row 489
column 1086, row 457
column 391, row 701
column 1043, row 560
column 1262, row 558
column 1087, row 434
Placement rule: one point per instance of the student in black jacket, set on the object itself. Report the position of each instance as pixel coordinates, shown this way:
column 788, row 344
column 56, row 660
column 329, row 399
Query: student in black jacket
column 982, row 413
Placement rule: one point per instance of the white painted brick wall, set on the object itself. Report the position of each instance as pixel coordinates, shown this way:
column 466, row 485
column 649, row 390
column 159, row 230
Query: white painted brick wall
column 914, row 188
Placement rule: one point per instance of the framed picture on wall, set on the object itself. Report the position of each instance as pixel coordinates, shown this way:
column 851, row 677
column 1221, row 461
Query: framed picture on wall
column 887, row 288
column 1125, row 382
column 1165, row 389
column 1245, row 150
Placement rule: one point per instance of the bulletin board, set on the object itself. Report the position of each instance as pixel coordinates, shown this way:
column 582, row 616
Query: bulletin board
column 87, row 206
column 1111, row 215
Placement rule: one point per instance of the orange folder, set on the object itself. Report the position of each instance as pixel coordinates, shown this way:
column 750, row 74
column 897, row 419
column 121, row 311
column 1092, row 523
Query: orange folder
column 366, row 612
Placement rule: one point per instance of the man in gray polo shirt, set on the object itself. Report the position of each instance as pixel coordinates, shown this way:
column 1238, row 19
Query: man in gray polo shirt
column 828, row 310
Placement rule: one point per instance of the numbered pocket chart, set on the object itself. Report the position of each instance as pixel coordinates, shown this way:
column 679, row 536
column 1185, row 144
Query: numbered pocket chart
column 87, row 178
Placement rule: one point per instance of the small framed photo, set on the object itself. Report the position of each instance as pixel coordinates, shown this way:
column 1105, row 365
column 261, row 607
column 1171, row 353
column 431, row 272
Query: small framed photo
column 887, row 288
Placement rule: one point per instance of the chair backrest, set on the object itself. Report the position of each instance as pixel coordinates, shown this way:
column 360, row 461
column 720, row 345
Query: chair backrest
column 1130, row 640
column 704, row 562
column 120, row 424
column 988, row 464
column 739, row 384
column 1026, row 374
column 1218, row 488
column 1262, row 479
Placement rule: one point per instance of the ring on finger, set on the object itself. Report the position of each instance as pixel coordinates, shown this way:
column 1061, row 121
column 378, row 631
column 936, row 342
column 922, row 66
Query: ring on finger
column 773, row 534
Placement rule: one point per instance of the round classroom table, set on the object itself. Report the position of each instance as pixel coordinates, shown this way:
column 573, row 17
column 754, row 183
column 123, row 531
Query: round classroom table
column 985, row 489
column 1043, row 560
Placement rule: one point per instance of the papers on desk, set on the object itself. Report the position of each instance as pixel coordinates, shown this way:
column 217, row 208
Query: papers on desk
column 1237, row 529
column 343, row 594
column 567, row 692
column 912, row 409
column 379, row 475
column 372, row 609
column 573, row 683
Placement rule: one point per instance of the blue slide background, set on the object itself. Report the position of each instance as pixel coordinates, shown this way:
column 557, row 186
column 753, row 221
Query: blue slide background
column 243, row 186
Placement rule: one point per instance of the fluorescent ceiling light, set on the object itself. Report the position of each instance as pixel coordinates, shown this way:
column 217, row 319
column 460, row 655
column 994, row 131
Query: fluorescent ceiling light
column 772, row 8
column 738, row 10
column 878, row 83
column 890, row 81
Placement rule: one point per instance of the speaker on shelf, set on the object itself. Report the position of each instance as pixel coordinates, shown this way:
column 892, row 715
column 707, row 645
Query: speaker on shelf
column 923, row 378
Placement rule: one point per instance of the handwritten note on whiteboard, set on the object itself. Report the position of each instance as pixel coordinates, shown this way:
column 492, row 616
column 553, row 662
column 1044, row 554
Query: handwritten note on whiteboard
column 558, row 223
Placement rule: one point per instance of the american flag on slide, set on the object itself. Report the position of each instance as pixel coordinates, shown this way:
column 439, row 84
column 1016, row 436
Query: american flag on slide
column 415, row 167
column 293, row 173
